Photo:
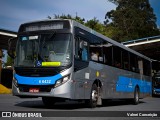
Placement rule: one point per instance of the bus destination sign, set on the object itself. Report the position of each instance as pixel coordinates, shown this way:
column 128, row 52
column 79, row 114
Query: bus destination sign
column 51, row 26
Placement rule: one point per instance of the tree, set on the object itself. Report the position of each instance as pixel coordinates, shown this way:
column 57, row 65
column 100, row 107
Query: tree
column 94, row 24
column 63, row 16
column 132, row 19
column 9, row 61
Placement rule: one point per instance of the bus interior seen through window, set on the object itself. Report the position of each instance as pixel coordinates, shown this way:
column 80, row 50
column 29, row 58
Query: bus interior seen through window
column 117, row 57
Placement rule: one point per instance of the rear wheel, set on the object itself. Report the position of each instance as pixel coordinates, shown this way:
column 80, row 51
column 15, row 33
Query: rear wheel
column 136, row 96
column 48, row 101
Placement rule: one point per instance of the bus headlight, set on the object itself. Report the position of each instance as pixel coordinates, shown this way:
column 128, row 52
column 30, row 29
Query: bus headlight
column 62, row 80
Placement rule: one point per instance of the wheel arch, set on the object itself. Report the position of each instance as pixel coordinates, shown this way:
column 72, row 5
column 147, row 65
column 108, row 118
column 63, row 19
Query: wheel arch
column 98, row 83
column 137, row 86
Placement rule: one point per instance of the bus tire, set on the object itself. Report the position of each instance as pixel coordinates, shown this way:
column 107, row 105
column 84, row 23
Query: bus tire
column 48, row 101
column 136, row 96
column 93, row 96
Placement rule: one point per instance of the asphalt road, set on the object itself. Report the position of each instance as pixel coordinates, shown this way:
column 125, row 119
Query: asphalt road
column 71, row 109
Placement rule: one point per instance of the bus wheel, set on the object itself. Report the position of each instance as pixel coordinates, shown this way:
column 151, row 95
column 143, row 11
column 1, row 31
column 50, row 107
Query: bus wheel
column 136, row 96
column 48, row 101
column 93, row 96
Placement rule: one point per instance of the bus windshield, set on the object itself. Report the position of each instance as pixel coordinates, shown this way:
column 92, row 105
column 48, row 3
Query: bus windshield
column 48, row 49
column 157, row 79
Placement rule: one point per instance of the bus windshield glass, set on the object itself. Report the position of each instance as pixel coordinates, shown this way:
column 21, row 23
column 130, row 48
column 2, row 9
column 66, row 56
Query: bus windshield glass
column 157, row 79
column 44, row 50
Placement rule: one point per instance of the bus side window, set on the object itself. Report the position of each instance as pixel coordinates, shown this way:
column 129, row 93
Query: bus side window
column 107, row 51
column 96, row 54
column 117, row 56
column 81, row 50
column 140, row 66
column 146, row 67
column 134, row 63
column 125, row 60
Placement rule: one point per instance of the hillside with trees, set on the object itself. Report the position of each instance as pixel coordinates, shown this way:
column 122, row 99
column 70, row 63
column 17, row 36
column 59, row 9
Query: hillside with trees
column 132, row 19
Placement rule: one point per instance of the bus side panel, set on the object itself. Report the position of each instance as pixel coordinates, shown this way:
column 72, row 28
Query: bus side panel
column 83, row 84
column 116, row 83
column 120, row 83
column 111, row 83
column 147, row 89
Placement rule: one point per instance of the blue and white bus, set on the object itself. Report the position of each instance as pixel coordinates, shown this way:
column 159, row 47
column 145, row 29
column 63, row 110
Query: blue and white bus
column 156, row 84
column 62, row 59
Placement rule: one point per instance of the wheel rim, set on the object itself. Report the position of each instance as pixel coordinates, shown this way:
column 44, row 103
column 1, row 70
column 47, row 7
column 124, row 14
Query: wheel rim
column 94, row 96
column 137, row 96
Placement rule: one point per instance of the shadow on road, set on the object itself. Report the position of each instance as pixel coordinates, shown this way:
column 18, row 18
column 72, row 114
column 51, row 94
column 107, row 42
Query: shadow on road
column 71, row 105
column 118, row 102
column 58, row 106
column 156, row 96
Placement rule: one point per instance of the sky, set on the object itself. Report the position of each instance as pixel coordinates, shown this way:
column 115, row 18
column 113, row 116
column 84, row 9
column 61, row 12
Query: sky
column 155, row 4
column 15, row 12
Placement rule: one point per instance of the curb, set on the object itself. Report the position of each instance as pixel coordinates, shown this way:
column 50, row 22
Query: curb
column 4, row 90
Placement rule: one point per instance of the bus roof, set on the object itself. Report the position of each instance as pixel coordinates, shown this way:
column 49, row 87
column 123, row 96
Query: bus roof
column 109, row 40
column 89, row 30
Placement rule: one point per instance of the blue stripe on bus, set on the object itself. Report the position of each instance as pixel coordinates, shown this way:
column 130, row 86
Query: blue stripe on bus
column 37, row 80
column 126, row 84
column 157, row 90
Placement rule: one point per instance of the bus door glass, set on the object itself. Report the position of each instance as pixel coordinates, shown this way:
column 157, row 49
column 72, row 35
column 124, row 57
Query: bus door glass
column 81, row 54
column 81, row 49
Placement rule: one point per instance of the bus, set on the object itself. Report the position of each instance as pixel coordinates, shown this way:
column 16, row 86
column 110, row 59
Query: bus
column 61, row 59
column 156, row 84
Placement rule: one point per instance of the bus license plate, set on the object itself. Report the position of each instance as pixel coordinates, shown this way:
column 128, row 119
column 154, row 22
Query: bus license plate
column 34, row 90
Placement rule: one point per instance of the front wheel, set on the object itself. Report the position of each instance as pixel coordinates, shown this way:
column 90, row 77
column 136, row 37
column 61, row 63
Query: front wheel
column 93, row 96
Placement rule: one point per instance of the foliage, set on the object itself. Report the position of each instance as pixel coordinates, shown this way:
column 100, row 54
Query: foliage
column 94, row 23
column 63, row 16
column 132, row 19
column 9, row 61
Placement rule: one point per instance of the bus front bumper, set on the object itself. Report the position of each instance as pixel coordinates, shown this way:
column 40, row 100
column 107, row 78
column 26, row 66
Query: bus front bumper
column 62, row 91
column 156, row 91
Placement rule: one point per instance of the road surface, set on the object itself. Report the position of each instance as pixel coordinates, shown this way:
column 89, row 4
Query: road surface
column 71, row 109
